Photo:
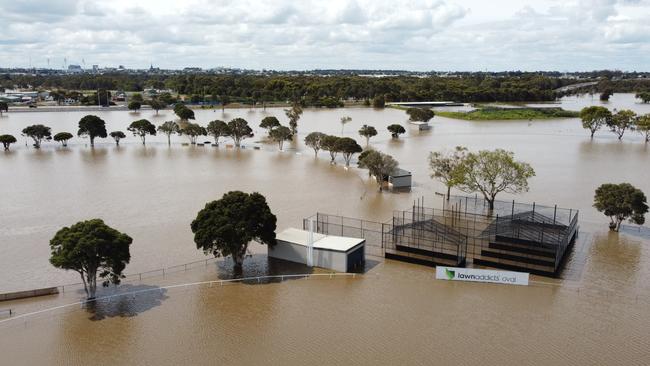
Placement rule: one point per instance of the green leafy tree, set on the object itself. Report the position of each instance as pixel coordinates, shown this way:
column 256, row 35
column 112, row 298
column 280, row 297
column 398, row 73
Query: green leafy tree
column 315, row 141
column 134, row 106
column 142, row 128
column 380, row 165
column 621, row 202
column 329, row 143
column 4, row 107
column 92, row 126
column 117, row 136
column 225, row 100
column 606, row 94
column 193, row 131
column 38, row 133
column 493, row 172
column 595, row 117
column 183, row 112
column 348, row 147
column 280, row 135
column 157, row 105
column 63, row 138
column 445, row 167
column 169, row 128
column 225, row 227
column 367, row 132
column 7, row 140
column 239, row 130
column 644, row 96
column 218, row 129
column 643, row 126
column 396, row 130
column 294, row 114
column 420, row 114
column 378, row 101
column 269, row 123
column 345, row 120
column 93, row 249
column 621, row 121
column 167, row 98
column 137, row 97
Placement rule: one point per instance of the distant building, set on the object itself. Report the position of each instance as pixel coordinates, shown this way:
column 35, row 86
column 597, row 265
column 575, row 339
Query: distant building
column 95, row 68
column 75, row 69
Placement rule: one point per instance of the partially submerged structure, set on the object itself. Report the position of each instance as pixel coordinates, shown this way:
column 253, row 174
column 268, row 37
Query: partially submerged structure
column 343, row 254
column 400, row 179
column 514, row 236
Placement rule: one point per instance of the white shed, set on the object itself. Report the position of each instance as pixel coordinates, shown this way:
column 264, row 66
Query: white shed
column 400, row 179
column 339, row 253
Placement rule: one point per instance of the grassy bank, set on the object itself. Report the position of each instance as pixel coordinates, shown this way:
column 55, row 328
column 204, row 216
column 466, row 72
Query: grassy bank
column 492, row 113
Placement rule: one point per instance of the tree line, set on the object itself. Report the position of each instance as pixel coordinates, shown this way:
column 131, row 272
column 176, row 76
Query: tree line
column 596, row 117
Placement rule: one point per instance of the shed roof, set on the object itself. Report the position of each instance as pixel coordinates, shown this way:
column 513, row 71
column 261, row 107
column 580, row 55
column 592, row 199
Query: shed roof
column 328, row 242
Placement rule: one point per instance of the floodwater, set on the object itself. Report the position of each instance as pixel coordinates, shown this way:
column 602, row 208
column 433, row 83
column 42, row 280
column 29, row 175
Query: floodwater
column 597, row 315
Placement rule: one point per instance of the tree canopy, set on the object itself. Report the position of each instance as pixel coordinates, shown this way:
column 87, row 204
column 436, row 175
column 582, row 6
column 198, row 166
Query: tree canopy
column 621, row 121
column 269, row 123
column 420, row 114
column 280, row 135
column 347, row 147
column 225, row 227
column 378, row 164
column 595, row 117
column 445, row 167
column 63, row 138
column 93, row 249
column 183, row 112
column 142, row 128
column 367, row 132
column 315, row 141
column 644, row 96
column 38, row 133
column 493, row 172
column 396, row 130
column 294, row 114
column 218, row 129
column 621, row 202
column 92, row 126
column 239, row 130
column 157, row 104
column 643, row 126
column 169, row 128
column 193, row 131
column 117, row 136
column 7, row 140
column 345, row 120
column 134, row 106
column 329, row 143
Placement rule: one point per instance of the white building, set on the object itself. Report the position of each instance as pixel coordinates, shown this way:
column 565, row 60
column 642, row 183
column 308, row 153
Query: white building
column 339, row 253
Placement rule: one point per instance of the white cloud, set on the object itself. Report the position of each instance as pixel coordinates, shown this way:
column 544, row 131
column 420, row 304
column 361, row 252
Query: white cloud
column 283, row 34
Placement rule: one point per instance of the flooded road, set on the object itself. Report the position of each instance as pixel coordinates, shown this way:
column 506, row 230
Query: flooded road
column 395, row 313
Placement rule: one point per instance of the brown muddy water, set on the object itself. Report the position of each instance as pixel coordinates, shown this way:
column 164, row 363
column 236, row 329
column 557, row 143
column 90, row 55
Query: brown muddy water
column 598, row 314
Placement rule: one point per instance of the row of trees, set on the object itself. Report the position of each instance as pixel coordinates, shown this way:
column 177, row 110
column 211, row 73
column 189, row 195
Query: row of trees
column 224, row 227
column 596, row 117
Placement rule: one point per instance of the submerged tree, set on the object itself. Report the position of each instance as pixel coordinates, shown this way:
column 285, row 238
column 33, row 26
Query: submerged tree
column 445, row 167
column 169, row 128
column 329, row 143
column 134, row 106
column 157, row 105
column 4, row 107
column 347, row 147
column 117, row 136
column 644, row 96
column 379, row 165
column 420, row 114
column 183, row 112
column 643, row 127
column 225, row 227
column 269, row 123
column 493, row 172
column 193, row 131
column 92, row 126
column 93, row 249
column 595, row 117
column 239, row 130
column 367, row 132
column 315, row 141
column 378, row 101
column 280, row 135
column 621, row 202
column 621, row 121
column 294, row 115
column 218, row 129
column 345, row 120
column 63, row 138
column 396, row 130
column 142, row 128
column 7, row 140
column 38, row 133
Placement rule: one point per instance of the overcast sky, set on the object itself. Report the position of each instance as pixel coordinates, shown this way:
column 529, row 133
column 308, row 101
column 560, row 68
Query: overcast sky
column 564, row 35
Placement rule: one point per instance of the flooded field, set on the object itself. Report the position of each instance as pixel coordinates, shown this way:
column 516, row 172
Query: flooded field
column 598, row 314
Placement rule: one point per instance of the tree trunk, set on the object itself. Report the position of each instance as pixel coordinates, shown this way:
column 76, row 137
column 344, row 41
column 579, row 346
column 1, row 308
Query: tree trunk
column 238, row 267
column 448, row 192
column 92, row 141
column 592, row 134
column 169, row 139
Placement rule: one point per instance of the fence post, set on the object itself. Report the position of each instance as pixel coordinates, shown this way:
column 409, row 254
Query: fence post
column 554, row 214
column 533, row 218
column 513, row 208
